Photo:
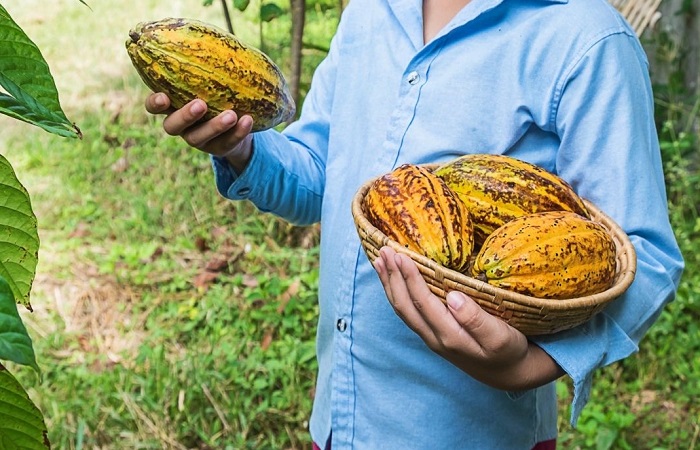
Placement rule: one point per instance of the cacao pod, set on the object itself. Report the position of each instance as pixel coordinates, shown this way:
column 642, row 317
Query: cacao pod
column 416, row 209
column 557, row 255
column 188, row 59
column 499, row 188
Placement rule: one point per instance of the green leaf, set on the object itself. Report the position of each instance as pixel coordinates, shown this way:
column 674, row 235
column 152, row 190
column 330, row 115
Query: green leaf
column 241, row 5
column 207, row 2
column 21, row 423
column 270, row 11
column 19, row 237
column 15, row 343
column 30, row 91
column 605, row 438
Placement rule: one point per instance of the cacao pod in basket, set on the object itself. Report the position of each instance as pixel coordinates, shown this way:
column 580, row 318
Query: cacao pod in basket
column 557, row 254
column 499, row 188
column 415, row 208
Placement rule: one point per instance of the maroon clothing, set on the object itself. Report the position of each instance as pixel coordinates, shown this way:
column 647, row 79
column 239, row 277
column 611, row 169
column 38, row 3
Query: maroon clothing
column 544, row 445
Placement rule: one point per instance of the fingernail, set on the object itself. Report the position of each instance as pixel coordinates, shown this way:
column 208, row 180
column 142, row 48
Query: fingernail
column 455, row 300
column 197, row 108
column 160, row 100
column 397, row 260
column 378, row 264
column 246, row 121
column 228, row 118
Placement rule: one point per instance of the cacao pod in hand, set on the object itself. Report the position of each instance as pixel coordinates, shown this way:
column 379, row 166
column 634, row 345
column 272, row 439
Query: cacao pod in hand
column 188, row 59
column 415, row 208
column 556, row 255
column 499, row 188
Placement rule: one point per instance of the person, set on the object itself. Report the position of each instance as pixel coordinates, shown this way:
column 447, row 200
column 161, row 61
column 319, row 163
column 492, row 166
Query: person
column 561, row 84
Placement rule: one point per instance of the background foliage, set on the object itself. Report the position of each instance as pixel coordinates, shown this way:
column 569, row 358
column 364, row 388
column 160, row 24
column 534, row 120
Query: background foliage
column 27, row 94
column 166, row 317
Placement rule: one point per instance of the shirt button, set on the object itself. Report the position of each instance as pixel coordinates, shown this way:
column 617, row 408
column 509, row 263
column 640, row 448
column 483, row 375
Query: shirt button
column 413, row 78
column 243, row 191
column 341, row 325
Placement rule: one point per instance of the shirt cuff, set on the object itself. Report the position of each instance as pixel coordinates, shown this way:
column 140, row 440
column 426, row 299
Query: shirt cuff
column 241, row 186
column 583, row 349
column 224, row 175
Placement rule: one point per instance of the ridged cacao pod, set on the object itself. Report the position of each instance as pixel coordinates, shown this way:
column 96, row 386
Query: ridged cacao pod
column 499, row 188
column 188, row 59
column 555, row 255
column 416, row 209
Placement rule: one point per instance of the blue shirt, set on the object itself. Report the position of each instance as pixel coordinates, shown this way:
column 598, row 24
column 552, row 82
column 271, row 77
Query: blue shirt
column 562, row 84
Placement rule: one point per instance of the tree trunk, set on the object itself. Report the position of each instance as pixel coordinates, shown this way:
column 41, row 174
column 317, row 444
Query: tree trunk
column 227, row 16
column 298, row 19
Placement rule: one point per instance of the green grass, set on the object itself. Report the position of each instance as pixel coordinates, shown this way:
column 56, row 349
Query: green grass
column 164, row 316
column 136, row 352
column 139, row 349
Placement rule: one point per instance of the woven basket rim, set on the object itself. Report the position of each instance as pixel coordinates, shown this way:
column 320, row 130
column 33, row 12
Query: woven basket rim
column 625, row 271
column 641, row 14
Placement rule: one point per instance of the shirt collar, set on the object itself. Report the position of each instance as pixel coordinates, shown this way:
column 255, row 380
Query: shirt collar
column 409, row 14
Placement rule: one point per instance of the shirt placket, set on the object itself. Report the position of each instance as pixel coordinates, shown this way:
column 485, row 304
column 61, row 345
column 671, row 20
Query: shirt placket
column 413, row 78
column 343, row 395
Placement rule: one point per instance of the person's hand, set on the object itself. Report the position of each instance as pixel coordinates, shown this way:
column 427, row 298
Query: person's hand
column 227, row 135
column 480, row 344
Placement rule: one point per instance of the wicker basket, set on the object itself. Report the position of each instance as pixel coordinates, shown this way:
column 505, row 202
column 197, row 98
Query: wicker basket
column 641, row 14
column 530, row 315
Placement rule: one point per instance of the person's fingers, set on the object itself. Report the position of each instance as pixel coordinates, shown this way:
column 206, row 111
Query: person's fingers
column 380, row 267
column 492, row 334
column 207, row 134
column 158, row 103
column 421, row 295
column 465, row 327
column 447, row 334
column 401, row 298
column 180, row 120
column 228, row 137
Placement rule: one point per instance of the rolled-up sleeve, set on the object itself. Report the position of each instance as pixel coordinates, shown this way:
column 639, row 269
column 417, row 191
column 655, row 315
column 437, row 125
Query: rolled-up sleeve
column 275, row 181
column 610, row 154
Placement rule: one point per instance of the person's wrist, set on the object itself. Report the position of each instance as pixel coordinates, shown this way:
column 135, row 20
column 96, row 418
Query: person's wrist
column 239, row 155
column 532, row 369
column 537, row 369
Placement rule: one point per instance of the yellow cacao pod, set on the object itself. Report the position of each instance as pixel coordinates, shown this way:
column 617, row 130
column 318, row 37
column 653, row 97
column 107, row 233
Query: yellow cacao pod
column 499, row 188
column 555, row 255
column 189, row 59
column 416, row 209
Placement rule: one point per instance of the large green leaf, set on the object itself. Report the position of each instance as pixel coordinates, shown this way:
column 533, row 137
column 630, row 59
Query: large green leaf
column 30, row 92
column 19, row 237
column 21, row 423
column 15, row 343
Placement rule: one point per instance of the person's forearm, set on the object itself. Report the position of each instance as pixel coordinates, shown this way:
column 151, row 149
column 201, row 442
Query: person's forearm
column 534, row 369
